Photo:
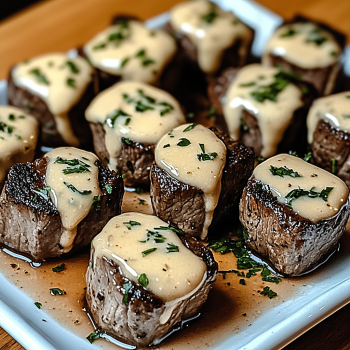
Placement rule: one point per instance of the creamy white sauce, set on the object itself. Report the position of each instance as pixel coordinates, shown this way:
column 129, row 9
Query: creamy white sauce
column 273, row 117
column 171, row 275
column 141, row 55
column 314, row 209
column 334, row 109
column 182, row 163
column 211, row 37
column 60, row 82
column 297, row 49
column 72, row 205
column 145, row 126
column 18, row 138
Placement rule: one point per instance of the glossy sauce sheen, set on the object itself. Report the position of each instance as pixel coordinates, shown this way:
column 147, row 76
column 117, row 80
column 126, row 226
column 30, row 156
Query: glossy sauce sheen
column 290, row 47
column 58, row 83
column 71, row 205
column 211, row 37
column 334, row 109
column 182, row 163
column 273, row 117
column 137, row 56
column 171, row 275
column 18, row 138
column 146, row 126
column 314, row 209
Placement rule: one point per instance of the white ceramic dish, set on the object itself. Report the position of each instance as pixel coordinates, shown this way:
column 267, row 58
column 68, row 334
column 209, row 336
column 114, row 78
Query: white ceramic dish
column 274, row 328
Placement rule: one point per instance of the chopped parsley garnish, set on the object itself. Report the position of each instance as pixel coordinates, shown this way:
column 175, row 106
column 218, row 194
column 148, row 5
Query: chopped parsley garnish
column 288, row 33
column 59, row 268
column 205, row 156
column 211, row 112
column 315, row 36
column 74, row 165
column 38, row 305
column 124, row 62
column 74, row 189
column 111, row 118
column 142, row 202
column 71, row 82
column 95, row 335
column 96, row 203
column 73, row 67
column 168, row 108
column 176, row 230
column 252, row 83
column 40, row 77
column 183, row 142
column 129, row 224
column 6, row 128
column 333, row 53
column 172, row 248
column 346, row 116
column 242, row 281
column 126, row 140
column 143, row 280
column 18, row 137
column 127, row 287
column 283, row 171
column 299, row 192
column 11, row 117
column 268, row 292
column 190, row 127
column 334, row 165
column 145, row 61
column 158, row 238
column 167, row 145
column 209, row 17
column 148, row 251
column 108, row 188
column 56, row 291
column 244, row 125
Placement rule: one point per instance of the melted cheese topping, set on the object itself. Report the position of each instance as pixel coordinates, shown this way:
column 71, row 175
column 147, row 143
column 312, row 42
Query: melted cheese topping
column 171, row 275
column 189, row 165
column 212, row 31
column 73, row 194
column 145, row 114
column 312, row 177
column 60, row 82
column 131, row 50
column 318, row 47
column 273, row 117
column 334, row 109
column 18, row 138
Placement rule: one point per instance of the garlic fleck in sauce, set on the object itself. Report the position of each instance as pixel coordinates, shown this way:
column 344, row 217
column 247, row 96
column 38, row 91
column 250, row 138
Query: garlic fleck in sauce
column 18, row 138
column 72, row 177
column 212, row 31
column 132, row 51
column 134, row 111
column 273, row 116
column 171, row 275
column 190, row 164
column 60, row 82
column 303, row 44
column 334, row 109
column 311, row 177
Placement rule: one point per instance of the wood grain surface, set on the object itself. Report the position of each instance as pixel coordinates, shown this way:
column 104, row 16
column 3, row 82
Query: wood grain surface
column 59, row 25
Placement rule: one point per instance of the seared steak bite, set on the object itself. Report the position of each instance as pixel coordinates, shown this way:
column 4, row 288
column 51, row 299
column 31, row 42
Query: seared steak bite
column 127, row 120
column 294, row 213
column 139, row 294
column 321, row 47
column 42, row 216
column 328, row 134
column 263, row 107
column 56, row 90
column 190, row 191
column 18, row 139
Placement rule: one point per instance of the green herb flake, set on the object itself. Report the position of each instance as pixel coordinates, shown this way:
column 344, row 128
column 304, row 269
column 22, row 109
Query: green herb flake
column 56, row 291
column 108, row 188
column 299, row 192
column 205, row 156
column 95, row 335
column 143, row 280
column 99, row 46
column 242, row 281
column 209, row 17
column 124, row 62
column 168, row 108
column 148, row 251
column 334, row 165
column 167, row 145
column 127, row 287
column 244, row 125
column 333, row 53
column 172, row 248
column 131, row 223
column 252, row 83
column 18, row 137
column 176, row 230
column 290, row 32
column 283, row 171
column 74, row 189
column 268, row 292
column 73, row 67
column 190, row 127
column 38, row 305
column 71, row 82
column 40, row 77
column 211, row 113
column 111, row 119
column 12, row 117
column 346, row 116
column 96, row 203
column 126, row 140
column 183, row 142
column 59, row 268
column 142, row 202
column 74, row 166
column 316, row 37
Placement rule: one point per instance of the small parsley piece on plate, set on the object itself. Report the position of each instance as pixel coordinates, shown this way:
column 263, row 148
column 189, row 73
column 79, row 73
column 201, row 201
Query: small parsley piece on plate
column 59, row 268
column 283, row 171
column 95, row 335
column 143, row 280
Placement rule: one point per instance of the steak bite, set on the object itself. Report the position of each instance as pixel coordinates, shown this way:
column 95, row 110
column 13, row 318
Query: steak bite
column 328, row 125
column 56, row 90
column 143, row 278
column 198, row 177
column 45, row 214
column 128, row 50
column 18, row 139
column 127, row 120
column 294, row 213
column 321, row 48
column 263, row 107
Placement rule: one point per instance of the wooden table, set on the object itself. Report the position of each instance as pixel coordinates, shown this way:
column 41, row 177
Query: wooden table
column 58, row 25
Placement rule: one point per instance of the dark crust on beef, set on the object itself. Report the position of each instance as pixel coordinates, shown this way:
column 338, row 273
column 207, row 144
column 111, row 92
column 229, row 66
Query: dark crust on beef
column 135, row 160
column 318, row 76
column 331, row 143
column 182, row 205
column 292, row 243
column 252, row 137
column 41, row 238
column 50, row 137
column 144, row 305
